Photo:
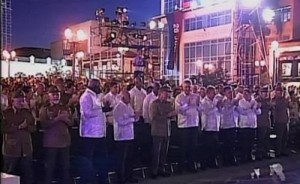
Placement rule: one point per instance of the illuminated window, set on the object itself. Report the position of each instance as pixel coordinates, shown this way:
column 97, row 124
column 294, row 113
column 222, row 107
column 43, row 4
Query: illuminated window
column 170, row 5
column 209, row 51
column 284, row 13
column 206, row 21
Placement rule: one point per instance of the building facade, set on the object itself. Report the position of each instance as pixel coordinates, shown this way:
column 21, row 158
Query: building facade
column 284, row 60
column 228, row 34
column 6, row 25
column 33, row 66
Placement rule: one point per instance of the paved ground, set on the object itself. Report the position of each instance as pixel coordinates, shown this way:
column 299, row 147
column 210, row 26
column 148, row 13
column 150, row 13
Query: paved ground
column 238, row 174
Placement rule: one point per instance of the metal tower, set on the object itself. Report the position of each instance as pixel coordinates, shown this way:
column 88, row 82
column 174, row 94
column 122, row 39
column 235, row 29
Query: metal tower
column 248, row 45
column 6, row 24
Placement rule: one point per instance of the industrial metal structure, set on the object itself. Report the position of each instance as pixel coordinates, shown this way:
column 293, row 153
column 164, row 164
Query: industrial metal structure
column 120, row 48
column 248, row 45
column 6, row 25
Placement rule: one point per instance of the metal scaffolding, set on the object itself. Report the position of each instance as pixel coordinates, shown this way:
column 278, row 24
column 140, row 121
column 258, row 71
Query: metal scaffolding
column 115, row 46
column 6, row 25
column 248, row 46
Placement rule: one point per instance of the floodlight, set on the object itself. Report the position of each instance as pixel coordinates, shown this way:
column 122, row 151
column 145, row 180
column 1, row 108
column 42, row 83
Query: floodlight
column 152, row 24
column 268, row 14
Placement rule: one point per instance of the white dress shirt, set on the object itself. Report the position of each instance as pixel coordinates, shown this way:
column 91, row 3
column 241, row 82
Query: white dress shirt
column 137, row 98
column 146, row 106
column 229, row 115
column 92, row 120
column 4, row 102
column 123, row 122
column 248, row 112
column 210, row 117
column 113, row 100
column 188, row 107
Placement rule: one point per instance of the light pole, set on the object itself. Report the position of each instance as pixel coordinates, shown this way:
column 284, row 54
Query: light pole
column 122, row 51
column 80, row 56
column 8, row 56
column 274, row 47
column 74, row 39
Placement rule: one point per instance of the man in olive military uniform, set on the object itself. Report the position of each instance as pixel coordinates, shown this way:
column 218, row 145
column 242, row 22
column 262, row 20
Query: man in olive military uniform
column 161, row 110
column 55, row 120
column 263, row 124
column 18, row 124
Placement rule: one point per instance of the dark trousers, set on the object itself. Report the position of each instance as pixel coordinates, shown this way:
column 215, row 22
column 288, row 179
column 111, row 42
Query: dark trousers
column 93, row 150
column 263, row 136
column 281, row 139
column 143, row 142
column 210, row 145
column 11, row 167
column 294, row 134
column 228, row 137
column 188, row 145
column 160, row 152
column 246, row 137
column 125, row 160
column 57, row 157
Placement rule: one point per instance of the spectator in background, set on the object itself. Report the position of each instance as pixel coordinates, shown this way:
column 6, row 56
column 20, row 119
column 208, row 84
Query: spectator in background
column 18, row 124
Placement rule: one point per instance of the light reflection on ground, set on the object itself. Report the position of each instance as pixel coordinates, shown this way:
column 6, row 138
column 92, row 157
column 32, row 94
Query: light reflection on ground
column 242, row 174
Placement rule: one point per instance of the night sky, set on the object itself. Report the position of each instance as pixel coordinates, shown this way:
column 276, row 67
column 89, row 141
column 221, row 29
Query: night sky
column 36, row 23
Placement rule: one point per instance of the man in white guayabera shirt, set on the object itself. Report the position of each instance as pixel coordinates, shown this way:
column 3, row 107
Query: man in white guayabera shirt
column 248, row 109
column 92, row 131
column 124, row 119
column 148, row 100
column 137, row 95
column 187, row 104
column 210, row 119
column 229, row 124
column 113, row 99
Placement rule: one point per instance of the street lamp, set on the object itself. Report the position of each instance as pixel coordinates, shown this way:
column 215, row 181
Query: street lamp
column 268, row 15
column 199, row 64
column 74, row 39
column 9, row 56
column 274, row 47
column 122, row 51
column 79, row 56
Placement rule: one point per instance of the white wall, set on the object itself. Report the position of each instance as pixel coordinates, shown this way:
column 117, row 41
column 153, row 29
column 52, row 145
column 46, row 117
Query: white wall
column 26, row 68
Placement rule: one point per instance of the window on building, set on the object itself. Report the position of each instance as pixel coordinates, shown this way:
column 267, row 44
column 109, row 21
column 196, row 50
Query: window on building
column 209, row 51
column 206, row 21
column 284, row 13
column 170, row 5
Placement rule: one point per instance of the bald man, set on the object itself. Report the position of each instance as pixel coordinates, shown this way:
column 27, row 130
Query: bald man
column 92, row 130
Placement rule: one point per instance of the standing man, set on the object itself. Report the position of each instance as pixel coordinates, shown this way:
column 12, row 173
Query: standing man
column 124, row 118
column 143, row 139
column 161, row 110
column 210, row 125
column 187, row 105
column 229, row 125
column 18, row 124
column 55, row 121
column 137, row 95
column 281, row 119
column 93, row 131
column 112, row 98
column 148, row 100
column 248, row 110
column 263, row 125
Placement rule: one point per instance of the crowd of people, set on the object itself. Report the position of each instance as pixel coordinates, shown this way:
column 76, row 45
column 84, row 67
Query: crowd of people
column 225, row 121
